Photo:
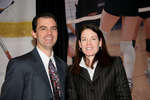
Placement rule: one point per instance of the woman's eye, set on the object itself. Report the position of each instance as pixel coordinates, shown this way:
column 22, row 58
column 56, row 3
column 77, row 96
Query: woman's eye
column 93, row 38
column 83, row 39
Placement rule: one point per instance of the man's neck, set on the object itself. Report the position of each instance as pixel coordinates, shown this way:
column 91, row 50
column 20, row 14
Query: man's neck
column 47, row 51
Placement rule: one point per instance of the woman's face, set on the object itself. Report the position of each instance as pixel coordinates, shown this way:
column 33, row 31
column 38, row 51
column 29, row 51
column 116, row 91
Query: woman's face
column 89, row 43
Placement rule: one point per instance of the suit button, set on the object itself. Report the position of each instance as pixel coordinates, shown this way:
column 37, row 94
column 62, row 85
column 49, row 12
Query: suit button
column 91, row 88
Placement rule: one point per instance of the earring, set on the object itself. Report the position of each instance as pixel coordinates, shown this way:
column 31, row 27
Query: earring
column 100, row 48
column 80, row 49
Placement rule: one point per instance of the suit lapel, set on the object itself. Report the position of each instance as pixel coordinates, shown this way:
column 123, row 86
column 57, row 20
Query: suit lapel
column 61, row 73
column 39, row 67
column 60, row 69
column 84, row 73
column 97, row 72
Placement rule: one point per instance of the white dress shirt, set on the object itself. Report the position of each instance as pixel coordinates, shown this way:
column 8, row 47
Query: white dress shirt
column 45, row 60
column 90, row 70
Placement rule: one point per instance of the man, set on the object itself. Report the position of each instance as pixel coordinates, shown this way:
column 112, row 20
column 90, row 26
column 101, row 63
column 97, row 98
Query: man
column 28, row 77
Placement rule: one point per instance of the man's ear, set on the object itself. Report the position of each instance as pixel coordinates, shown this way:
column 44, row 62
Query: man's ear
column 33, row 34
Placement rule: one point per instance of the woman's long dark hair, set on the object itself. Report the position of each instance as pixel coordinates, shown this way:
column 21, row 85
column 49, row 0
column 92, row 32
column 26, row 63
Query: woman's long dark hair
column 102, row 55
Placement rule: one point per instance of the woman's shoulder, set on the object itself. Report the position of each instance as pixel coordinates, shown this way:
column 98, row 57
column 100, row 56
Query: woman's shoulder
column 74, row 70
column 117, row 62
column 116, row 58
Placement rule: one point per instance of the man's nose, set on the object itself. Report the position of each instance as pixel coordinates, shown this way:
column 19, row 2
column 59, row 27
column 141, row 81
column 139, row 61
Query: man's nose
column 49, row 31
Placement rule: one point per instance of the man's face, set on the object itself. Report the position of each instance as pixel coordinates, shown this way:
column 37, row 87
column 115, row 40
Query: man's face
column 46, row 33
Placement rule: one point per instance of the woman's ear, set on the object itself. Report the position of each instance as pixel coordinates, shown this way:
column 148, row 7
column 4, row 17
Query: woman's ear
column 100, row 43
column 80, row 46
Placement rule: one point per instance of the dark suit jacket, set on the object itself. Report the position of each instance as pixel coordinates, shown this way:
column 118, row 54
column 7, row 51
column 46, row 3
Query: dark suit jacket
column 26, row 78
column 109, row 83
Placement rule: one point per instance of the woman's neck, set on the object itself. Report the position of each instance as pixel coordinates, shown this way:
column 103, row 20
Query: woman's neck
column 88, row 61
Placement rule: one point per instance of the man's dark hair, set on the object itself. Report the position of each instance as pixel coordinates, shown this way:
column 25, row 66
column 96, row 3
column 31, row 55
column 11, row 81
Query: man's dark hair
column 43, row 15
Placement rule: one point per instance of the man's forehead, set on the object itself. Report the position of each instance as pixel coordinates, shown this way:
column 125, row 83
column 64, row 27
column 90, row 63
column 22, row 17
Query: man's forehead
column 46, row 21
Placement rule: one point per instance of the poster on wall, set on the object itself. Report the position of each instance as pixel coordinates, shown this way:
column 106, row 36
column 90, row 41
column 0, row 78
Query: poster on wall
column 15, row 26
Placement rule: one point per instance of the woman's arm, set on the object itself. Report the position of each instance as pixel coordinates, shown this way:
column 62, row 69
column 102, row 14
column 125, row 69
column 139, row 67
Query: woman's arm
column 122, row 88
column 71, row 92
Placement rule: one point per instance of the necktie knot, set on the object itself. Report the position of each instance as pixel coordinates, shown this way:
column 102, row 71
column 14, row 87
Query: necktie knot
column 51, row 66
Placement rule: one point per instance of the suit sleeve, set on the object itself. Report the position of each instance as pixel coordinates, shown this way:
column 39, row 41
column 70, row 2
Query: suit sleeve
column 122, row 88
column 12, row 88
column 71, row 92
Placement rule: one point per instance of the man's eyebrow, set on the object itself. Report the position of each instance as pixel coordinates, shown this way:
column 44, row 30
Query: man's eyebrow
column 54, row 26
column 46, row 26
column 42, row 26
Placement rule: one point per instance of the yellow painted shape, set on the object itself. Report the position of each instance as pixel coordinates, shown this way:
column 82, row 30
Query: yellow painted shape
column 15, row 29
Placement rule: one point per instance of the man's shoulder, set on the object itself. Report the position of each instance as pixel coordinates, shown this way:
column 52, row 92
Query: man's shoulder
column 20, row 62
column 23, row 57
column 59, row 60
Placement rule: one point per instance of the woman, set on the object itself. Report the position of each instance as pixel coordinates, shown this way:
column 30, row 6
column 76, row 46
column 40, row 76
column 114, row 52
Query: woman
column 95, row 75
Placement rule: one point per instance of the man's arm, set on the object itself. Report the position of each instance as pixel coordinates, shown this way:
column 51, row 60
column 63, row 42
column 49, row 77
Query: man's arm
column 12, row 88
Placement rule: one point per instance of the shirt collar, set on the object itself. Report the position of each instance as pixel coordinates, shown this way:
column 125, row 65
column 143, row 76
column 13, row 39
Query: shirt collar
column 44, row 57
column 82, row 64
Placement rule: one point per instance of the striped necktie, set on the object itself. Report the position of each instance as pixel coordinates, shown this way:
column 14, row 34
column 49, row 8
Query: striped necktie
column 54, row 81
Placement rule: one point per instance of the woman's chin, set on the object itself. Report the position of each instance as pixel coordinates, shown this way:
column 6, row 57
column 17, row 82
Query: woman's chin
column 90, row 55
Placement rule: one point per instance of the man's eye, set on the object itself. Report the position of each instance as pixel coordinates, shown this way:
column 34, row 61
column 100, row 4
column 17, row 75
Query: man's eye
column 43, row 28
column 53, row 28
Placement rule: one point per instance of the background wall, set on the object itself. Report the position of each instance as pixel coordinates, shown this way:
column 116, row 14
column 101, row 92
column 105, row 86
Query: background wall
column 15, row 31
